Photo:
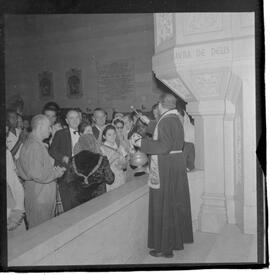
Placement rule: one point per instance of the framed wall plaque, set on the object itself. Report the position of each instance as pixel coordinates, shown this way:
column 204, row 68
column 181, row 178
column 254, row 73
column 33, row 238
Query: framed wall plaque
column 45, row 80
column 74, row 83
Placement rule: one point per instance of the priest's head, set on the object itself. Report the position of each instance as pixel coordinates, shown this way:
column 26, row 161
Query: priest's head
column 166, row 102
column 41, row 127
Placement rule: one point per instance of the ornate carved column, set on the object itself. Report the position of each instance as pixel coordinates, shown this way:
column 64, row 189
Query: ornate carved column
column 196, row 56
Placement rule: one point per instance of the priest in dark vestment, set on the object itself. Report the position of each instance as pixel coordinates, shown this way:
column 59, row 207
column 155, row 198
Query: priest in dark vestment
column 170, row 222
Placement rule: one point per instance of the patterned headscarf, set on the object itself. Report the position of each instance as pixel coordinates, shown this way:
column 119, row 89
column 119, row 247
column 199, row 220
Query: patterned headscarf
column 87, row 142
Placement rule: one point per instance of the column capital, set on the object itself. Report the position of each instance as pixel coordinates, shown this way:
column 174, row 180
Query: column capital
column 206, row 108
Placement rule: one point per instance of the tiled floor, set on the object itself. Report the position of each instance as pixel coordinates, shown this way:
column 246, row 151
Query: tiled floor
column 230, row 246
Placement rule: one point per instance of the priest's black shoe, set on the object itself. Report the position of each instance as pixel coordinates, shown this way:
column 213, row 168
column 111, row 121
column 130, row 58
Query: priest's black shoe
column 156, row 253
column 168, row 255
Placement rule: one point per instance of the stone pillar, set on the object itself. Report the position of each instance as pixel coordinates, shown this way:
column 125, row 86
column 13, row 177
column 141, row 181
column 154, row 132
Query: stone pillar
column 245, row 70
column 249, row 156
column 199, row 142
column 243, row 66
column 212, row 215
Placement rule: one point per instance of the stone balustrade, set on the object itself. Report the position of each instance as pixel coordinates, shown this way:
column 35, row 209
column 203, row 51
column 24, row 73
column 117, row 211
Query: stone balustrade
column 110, row 229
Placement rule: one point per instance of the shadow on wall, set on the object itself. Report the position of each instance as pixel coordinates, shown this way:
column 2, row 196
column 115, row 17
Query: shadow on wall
column 159, row 87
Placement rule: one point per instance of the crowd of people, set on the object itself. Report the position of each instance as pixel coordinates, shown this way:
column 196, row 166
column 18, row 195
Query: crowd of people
column 59, row 161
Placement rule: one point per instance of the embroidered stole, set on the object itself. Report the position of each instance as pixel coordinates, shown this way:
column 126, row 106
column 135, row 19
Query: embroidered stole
column 153, row 179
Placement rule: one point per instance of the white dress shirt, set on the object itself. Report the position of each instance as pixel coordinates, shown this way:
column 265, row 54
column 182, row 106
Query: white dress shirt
column 100, row 132
column 12, row 140
column 74, row 138
column 14, row 183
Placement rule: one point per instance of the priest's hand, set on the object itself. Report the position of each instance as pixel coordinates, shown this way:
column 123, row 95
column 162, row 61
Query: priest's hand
column 136, row 140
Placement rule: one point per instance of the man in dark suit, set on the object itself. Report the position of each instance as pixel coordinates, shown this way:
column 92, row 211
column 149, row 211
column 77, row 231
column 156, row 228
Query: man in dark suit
column 64, row 140
column 99, row 118
column 62, row 150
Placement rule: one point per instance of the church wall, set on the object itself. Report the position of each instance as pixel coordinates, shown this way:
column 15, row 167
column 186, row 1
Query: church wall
column 58, row 43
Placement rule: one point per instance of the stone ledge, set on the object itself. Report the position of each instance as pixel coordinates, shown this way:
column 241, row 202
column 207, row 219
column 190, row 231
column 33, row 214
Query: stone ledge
column 35, row 244
column 32, row 246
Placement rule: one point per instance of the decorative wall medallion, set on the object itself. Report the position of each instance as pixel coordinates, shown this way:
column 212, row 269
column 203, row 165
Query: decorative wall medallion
column 164, row 23
column 73, row 83
column 45, row 80
column 207, row 84
column 197, row 23
column 178, row 87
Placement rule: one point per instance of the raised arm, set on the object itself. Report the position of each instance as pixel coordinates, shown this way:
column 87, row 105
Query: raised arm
column 165, row 141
